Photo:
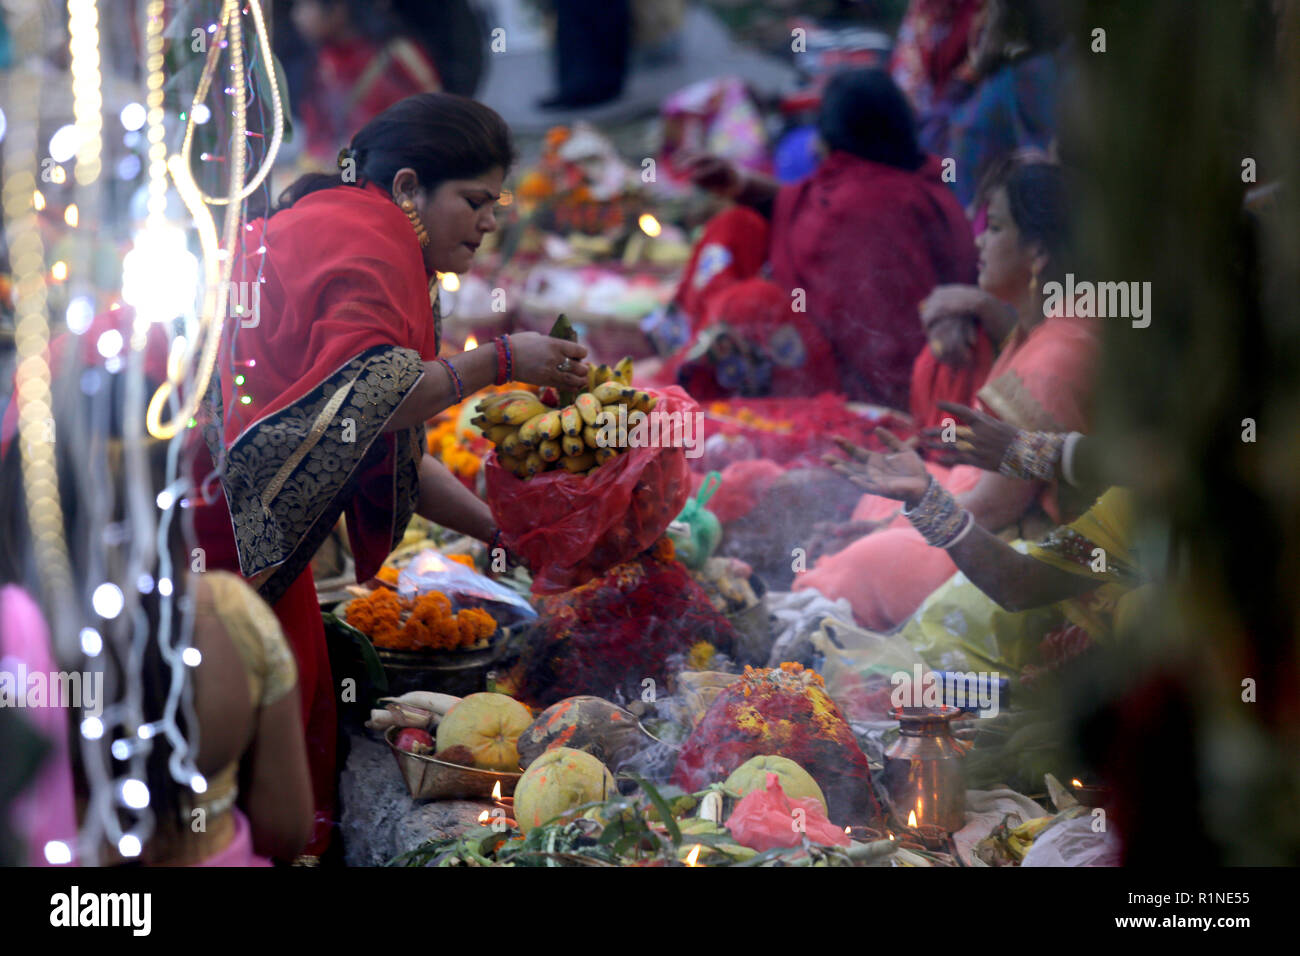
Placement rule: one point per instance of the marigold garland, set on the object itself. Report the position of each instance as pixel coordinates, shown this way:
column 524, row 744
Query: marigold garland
column 427, row 623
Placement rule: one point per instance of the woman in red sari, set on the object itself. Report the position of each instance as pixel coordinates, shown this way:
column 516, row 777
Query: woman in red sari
column 853, row 249
column 1041, row 381
column 325, row 388
column 363, row 64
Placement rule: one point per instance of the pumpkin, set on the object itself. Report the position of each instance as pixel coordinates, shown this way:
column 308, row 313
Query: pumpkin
column 783, row 711
column 795, row 780
column 488, row 725
column 558, row 781
column 607, row 732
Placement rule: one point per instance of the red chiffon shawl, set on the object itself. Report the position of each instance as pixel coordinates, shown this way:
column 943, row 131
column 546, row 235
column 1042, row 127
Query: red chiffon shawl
column 867, row 242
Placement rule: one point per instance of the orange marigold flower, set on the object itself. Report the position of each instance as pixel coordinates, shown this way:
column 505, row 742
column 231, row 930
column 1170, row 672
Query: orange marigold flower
column 388, row 575
column 475, row 625
column 664, row 549
column 464, row 559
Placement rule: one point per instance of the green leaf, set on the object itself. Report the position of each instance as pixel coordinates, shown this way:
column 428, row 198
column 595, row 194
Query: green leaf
column 369, row 659
column 660, row 804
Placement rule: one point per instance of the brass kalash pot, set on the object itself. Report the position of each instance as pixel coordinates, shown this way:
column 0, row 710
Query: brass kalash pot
column 923, row 768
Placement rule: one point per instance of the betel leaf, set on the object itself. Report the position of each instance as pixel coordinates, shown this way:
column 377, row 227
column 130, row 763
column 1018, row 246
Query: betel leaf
column 563, row 330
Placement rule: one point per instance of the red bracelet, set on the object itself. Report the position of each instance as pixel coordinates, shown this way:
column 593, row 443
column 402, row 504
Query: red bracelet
column 505, row 364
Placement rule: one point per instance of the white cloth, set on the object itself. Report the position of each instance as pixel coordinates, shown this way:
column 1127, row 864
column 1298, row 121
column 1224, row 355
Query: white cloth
column 795, row 616
column 984, row 811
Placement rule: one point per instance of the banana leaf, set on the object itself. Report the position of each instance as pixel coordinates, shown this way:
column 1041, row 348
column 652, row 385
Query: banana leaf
column 366, row 651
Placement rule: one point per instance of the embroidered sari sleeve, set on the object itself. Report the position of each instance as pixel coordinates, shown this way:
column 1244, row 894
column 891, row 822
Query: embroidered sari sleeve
column 289, row 476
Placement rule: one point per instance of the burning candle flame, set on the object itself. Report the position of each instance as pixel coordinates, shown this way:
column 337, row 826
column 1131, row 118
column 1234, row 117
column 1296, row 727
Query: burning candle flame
column 471, row 343
column 484, row 817
column 1075, row 782
column 496, row 790
column 693, row 856
column 649, row 225
column 848, row 830
column 450, row 281
column 911, row 819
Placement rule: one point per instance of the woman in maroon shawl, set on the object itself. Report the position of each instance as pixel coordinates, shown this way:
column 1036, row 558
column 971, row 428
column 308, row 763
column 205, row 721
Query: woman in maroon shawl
column 326, row 383
column 851, row 252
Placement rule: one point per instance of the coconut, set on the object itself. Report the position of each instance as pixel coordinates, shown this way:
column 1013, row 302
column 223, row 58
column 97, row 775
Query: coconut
column 795, row 780
column 488, row 725
column 558, row 781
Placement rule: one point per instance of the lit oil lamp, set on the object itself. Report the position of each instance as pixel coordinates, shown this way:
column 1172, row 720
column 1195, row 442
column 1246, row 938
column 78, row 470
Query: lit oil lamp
column 500, row 801
column 471, row 343
column 692, row 858
column 1090, row 795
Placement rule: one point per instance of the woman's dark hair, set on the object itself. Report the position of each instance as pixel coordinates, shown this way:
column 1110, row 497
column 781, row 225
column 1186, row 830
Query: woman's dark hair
column 1038, row 198
column 440, row 135
column 864, row 112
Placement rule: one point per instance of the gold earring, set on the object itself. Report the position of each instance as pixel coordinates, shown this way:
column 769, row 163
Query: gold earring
column 421, row 233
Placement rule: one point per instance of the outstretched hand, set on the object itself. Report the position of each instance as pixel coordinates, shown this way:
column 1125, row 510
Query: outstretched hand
column 981, row 442
column 900, row 475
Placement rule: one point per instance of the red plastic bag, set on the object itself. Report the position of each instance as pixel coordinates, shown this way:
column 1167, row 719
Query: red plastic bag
column 765, row 819
column 572, row 528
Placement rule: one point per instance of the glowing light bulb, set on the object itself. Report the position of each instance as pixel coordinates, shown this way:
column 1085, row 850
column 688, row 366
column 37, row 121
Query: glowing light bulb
column 57, row 853
column 92, row 728
column 450, row 281
column 59, row 271
column 91, row 642
column 192, row 656
column 107, row 600
column 129, row 845
column 649, row 225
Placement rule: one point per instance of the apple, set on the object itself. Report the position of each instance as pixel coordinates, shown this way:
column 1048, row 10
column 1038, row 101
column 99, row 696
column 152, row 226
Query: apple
column 414, row 741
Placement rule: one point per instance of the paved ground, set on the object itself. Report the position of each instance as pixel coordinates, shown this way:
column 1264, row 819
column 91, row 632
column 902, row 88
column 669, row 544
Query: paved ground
column 518, row 78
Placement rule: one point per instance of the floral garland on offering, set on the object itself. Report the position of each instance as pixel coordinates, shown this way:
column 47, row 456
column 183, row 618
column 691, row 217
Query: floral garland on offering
column 425, row 623
column 796, row 432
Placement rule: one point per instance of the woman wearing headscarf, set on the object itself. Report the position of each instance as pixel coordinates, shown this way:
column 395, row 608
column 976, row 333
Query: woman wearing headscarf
column 324, row 389
column 851, row 251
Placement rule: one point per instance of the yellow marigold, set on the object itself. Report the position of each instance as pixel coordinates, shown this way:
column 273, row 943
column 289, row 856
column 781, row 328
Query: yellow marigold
column 700, row 656
column 388, row 575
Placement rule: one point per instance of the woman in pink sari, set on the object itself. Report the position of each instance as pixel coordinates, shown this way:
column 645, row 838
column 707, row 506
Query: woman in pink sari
column 1041, row 381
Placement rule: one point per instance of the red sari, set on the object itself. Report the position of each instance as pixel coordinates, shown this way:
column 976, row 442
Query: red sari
column 343, row 325
column 853, row 250
column 355, row 81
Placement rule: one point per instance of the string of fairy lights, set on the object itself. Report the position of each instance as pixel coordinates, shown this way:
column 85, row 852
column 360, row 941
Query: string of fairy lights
column 116, row 743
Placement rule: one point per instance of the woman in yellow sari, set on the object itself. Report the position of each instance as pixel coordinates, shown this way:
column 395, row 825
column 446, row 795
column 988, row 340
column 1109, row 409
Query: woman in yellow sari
column 1006, row 596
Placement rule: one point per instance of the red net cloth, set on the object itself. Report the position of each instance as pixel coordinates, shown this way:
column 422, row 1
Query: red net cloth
column 617, row 631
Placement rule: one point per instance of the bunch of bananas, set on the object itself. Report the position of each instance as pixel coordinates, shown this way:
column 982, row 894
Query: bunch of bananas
column 532, row 437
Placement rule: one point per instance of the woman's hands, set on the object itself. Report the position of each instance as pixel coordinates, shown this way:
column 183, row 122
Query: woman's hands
column 981, row 442
column 952, row 340
column 900, row 475
column 537, row 361
column 715, row 174
column 946, row 302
